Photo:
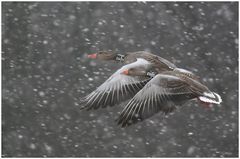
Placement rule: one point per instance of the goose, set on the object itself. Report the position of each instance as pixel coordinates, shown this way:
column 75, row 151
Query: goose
column 163, row 93
column 120, row 87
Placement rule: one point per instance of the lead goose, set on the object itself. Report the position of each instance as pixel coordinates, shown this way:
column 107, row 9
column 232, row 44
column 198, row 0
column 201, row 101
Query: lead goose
column 162, row 93
column 120, row 87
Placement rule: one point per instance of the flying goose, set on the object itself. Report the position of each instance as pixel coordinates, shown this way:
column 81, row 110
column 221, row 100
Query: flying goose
column 163, row 93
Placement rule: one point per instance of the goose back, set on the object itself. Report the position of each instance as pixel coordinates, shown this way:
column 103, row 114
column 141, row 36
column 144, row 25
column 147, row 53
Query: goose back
column 159, row 63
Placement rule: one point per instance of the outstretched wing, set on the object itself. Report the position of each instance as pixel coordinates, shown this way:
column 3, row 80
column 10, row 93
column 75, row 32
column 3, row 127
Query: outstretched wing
column 159, row 94
column 116, row 89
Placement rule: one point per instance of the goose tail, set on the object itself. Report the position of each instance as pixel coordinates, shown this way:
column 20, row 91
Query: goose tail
column 211, row 98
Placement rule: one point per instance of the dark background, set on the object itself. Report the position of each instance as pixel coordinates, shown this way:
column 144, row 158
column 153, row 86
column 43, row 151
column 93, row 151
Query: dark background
column 45, row 71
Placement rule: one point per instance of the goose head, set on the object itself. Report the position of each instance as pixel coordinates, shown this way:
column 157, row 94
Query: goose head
column 139, row 71
column 103, row 55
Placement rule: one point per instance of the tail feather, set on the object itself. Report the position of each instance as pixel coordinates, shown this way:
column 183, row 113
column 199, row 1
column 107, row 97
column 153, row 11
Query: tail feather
column 211, row 97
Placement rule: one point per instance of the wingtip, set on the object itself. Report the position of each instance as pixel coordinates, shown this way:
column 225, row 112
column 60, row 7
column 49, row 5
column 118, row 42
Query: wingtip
column 83, row 104
column 83, row 107
column 121, row 123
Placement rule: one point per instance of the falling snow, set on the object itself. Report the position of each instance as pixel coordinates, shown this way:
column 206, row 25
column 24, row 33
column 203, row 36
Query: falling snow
column 46, row 71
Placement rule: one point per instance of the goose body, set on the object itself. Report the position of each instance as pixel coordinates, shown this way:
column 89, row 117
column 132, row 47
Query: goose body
column 157, row 61
column 130, row 57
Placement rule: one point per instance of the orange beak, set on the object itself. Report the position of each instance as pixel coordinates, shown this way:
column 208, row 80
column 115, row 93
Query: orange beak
column 125, row 72
column 92, row 56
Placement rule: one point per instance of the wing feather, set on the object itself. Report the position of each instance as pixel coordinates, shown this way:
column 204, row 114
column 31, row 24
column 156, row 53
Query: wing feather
column 157, row 95
column 115, row 89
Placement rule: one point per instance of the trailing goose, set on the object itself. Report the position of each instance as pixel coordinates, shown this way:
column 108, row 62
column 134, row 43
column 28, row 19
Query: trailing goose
column 163, row 93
